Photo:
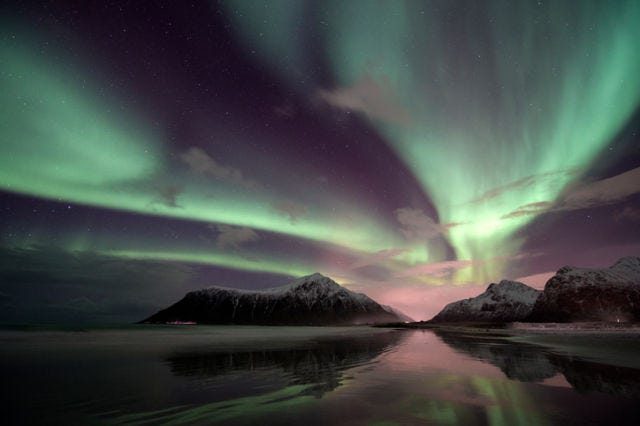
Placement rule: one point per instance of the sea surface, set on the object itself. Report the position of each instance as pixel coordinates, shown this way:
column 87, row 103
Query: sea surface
column 235, row 375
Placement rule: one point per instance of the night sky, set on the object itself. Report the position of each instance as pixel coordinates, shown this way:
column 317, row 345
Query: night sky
column 414, row 151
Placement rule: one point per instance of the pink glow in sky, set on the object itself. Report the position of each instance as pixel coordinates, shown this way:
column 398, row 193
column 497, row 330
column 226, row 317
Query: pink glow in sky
column 537, row 281
column 422, row 302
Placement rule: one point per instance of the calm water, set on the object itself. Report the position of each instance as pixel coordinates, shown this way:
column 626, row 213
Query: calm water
column 285, row 375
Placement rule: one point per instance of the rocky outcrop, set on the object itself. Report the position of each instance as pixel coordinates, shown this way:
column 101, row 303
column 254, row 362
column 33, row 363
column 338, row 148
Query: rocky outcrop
column 580, row 294
column 506, row 301
column 310, row 300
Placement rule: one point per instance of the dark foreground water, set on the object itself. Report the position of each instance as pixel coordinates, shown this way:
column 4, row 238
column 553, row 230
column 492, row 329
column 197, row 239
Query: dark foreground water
column 301, row 375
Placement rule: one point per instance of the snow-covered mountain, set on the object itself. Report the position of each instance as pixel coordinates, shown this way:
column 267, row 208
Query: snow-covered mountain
column 506, row 301
column 310, row 300
column 580, row 294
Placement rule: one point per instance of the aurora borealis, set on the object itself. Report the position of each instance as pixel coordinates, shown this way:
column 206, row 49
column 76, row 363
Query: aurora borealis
column 411, row 150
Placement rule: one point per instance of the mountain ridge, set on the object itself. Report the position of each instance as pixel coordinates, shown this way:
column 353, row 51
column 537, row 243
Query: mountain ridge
column 310, row 300
column 506, row 301
column 591, row 294
column 572, row 294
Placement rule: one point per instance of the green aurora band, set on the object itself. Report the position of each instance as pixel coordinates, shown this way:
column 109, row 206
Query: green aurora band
column 505, row 112
column 509, row 102
column 63, row 140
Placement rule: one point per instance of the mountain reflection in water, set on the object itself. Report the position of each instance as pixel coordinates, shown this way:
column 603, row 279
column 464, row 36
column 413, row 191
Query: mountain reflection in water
column 319, row 364
column 534, row 363
column 307, row 375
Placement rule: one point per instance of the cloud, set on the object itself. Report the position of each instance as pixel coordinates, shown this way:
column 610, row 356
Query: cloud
column 374, row 98
column 527, row 209
column 414, row 290
column 589, row 195
column 603, row 192
column 291, row 209
column 520, row 256
column 550, row 180
column 448, row 267
column 233, row 236
column 416, row 225
column 377, row 257
column 438, row 269
column 202, row 163
column 168, row 195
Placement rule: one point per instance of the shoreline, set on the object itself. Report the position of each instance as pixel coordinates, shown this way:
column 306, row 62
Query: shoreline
column 577, row 328
column 542, row 327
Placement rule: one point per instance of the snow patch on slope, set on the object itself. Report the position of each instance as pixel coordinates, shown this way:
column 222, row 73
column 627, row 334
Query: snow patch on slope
column 505, row 301
column 309, row 299
column 625, row 271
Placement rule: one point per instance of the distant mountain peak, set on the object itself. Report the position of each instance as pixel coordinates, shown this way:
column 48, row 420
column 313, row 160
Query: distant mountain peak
column 307, row 282
column 628, row 265
column 314, row 279
column 506, row 285
column 505, row 301
column 514, row 290
column 314, row 276
column 310, row 300
column 628, row 260
column 572, row 294
column 592, row 294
